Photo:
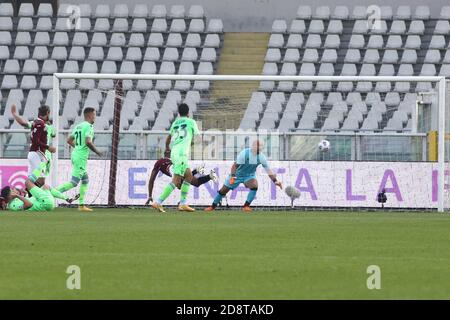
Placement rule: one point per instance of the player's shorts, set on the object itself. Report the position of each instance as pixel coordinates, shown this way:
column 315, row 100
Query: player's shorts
column 36, row 160
column 44, row 200
column 238, row 181
column 179, row 163
column 79, row 167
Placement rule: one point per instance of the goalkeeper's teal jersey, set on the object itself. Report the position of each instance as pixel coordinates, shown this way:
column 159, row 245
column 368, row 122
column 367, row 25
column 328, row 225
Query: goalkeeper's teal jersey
column 247, row 163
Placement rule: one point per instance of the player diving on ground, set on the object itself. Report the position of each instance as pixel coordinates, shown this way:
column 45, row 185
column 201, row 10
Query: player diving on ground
column 42, row 198
column 181, row 136
column 243, row 171
column 164, row 165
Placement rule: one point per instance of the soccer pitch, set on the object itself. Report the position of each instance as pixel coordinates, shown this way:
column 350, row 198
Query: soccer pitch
column 141, row 254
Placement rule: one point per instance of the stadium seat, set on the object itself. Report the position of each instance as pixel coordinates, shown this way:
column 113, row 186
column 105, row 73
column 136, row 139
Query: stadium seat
column 416, row 27
column 136, row 40
column 279, row 26
column 174, row 40
column 193, row 40
column 159, row 11
column 139, row 25
column 6, row 10
column 297, row 26
column 421, row 13
column 140, row 11
column 215, row 25
column 196, row 25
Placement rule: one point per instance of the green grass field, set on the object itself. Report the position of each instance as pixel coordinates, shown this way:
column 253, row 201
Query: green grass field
column 140, row 254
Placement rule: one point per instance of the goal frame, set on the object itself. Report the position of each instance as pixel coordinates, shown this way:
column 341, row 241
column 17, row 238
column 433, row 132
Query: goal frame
column 439, row 80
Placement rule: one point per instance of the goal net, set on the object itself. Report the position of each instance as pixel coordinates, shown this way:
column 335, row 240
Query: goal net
column 387, row 135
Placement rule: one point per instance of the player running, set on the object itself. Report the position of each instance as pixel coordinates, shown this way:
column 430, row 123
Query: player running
column 51, row 133
column 164, row 165
column 40, row 149
column 243, row 171
column 43, row 198
column 182, row 131
column 81, row 139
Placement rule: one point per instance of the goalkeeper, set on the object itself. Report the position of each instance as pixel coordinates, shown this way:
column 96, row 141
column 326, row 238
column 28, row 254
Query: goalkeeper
column 244, row 171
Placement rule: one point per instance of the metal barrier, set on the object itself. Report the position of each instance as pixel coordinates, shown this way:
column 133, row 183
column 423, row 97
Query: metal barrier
column 216, row 145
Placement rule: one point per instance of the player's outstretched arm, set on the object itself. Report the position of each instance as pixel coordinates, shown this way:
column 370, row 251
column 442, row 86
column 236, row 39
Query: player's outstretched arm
column 274, row 179
column 91, row 146
column 18, row 118
column 151, row 182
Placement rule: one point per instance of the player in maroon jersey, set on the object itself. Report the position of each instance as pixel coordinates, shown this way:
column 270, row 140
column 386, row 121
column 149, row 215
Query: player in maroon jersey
column 164, row 164
column 36, row 156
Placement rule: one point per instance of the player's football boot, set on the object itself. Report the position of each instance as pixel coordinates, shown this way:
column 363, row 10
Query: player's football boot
column 247, row 209
column 201, row 169
column 85, row 209
column 213, row 176
column 158, row 207
column 185, row 207
column 210, row 208
column 70, row 200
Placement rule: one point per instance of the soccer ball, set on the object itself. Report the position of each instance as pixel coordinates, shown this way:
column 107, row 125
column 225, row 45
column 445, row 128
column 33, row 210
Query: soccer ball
column 324, row 145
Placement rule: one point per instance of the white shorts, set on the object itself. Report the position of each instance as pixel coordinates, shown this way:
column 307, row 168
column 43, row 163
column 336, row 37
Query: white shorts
column 34, row 161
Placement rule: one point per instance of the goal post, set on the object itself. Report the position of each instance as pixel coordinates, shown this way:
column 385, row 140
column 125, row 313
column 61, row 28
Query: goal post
column 359, row 144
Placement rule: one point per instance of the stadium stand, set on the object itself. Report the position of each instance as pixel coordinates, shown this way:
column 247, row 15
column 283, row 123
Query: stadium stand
column 107, row 39
column 326, row 42
column 181, row 40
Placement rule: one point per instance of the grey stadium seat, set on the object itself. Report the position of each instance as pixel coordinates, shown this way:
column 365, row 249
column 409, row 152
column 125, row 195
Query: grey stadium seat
column 422, row 13
column 413, row 42
column 26, row 10
column 174, row 40
column 158, row 11
column 120, row 11
column 102, row 11
column 215, row 25
column 6, row 10
column 304, row 12
column 44, row 24
column 196, row 12
column 5, row 38
column 152, row 54
column 294, row 41
column 313, row 41
column 177, row 11
column 41, row 39
column 196, row 25
column 193, row 40
column 139, row 25
column 178, row 25
column 279, row 26
column 297, row 26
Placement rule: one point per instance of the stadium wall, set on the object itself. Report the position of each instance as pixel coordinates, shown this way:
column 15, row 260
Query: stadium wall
column 322, row 183
column 258, row 15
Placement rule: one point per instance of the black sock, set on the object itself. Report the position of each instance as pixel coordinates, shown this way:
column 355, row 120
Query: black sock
column 247, row 204
column 203, row 179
